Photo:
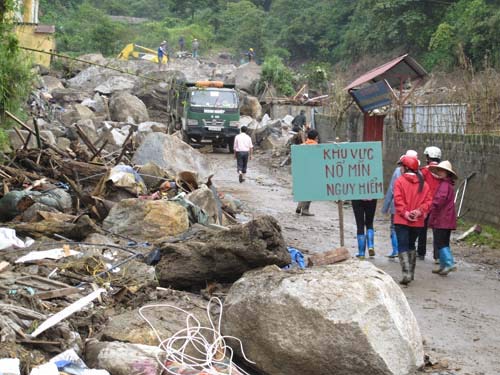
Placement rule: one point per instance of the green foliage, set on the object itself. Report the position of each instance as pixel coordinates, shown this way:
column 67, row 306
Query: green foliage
column 442, row 47
column 85, row 29
column 15, row 71
column 4, row 141
column 489, row 236
column 240, row 27
column 333, row 31
column 316, row 75
column 274, row 72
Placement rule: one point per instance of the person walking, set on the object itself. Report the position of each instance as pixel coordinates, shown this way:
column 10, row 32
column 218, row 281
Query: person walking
column 161, row 52
column 412, row 200
column 243, row 150
column 364, row 213
column 303, row 207
column 442, row 216
column 195, row 46
column 433, row 157
column 388, row 206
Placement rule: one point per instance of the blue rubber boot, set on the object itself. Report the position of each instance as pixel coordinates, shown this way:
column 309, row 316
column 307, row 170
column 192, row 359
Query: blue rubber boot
column 361, row 246
column 394, row 242
column 370, row 239
column 446, row 261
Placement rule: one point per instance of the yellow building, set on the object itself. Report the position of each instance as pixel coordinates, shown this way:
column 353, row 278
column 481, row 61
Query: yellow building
column 33, row 35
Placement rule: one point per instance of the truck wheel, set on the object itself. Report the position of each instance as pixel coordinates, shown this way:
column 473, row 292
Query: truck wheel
column 230, row 143
column 185, row 137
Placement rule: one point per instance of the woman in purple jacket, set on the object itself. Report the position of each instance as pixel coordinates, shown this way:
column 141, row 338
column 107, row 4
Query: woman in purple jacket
column 442, row 216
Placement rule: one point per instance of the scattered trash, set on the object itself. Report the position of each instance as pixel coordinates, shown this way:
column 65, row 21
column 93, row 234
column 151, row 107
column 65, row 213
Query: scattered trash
column 63, row 314
column 47, row 254
column 297, row 258
column 9, row 366
column 8, row 238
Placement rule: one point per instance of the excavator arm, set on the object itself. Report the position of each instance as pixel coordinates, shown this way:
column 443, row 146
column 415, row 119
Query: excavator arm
column 137, row 52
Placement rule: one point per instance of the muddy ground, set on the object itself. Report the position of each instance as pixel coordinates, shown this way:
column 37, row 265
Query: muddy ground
column 459, row 315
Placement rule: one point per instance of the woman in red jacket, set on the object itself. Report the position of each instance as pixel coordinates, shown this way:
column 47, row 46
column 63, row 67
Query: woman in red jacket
column 412, row 200
column 442, row 216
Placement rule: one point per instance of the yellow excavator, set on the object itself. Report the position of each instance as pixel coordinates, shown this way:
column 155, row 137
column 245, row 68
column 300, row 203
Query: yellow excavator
column 137, row 52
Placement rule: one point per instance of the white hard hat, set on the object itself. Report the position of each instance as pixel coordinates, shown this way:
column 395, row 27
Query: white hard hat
column 433, row 152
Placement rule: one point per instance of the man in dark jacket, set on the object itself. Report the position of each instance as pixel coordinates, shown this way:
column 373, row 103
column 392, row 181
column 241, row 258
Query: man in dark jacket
column 299, row 121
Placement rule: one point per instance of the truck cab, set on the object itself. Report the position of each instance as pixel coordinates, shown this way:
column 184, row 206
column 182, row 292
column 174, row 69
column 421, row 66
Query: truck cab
column 210, row 114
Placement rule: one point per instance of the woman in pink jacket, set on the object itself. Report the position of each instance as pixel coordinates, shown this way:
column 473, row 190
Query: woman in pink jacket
column 412, row 200
column 442, row 216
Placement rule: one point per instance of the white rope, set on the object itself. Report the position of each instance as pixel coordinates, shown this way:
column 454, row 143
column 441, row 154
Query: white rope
column 211, row 351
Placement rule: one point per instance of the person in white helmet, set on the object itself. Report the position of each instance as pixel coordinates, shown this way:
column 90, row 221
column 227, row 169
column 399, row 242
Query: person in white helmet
column 433, row 158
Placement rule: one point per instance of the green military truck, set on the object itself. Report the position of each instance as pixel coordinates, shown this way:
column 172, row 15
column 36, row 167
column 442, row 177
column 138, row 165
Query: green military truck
column 205, row 112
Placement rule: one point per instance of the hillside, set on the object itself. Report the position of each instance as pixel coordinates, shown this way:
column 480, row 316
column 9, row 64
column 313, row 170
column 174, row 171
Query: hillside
column 440, row 33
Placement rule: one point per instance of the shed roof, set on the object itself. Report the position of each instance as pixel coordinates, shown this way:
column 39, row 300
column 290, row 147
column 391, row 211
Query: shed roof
column 403, row 67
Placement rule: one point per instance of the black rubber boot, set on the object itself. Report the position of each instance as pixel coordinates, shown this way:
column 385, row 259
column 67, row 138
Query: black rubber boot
column 404, row 260
column 412, row 255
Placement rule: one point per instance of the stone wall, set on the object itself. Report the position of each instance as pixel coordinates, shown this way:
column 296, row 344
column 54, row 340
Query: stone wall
column 467, row 153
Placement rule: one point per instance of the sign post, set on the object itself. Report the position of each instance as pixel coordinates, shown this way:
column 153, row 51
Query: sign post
column 337, row 172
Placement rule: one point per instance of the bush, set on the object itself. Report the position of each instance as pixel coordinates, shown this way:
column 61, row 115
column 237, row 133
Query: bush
column 15, row 73
column 274, row 72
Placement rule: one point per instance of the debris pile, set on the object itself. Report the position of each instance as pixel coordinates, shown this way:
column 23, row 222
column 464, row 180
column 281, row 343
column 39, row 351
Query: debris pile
column 104, row 216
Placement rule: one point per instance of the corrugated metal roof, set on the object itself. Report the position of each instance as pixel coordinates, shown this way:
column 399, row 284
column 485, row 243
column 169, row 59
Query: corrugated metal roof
column 403, row 67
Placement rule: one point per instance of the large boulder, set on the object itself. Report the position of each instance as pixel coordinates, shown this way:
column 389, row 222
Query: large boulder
column 72, row 67
column 70, row 95
column 89, row 129
column 344, row 319
column 149, row 127
column 146, row 219
column 124, row 359
column 128, row 327
column 247, row 75
column 155, row 93
column 205, row 199
column 16, row 142
column 51, row 83
column 222, row 255
column 173, row 155
column 250, row 106
column 115, row 84
column 76, row 113
column 123, row 106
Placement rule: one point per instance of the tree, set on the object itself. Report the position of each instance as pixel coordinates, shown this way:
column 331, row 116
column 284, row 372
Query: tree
column 241, row 27
column 15, row 68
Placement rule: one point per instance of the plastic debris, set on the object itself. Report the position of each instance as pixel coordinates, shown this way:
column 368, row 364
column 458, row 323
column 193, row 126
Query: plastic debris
column 8, row 238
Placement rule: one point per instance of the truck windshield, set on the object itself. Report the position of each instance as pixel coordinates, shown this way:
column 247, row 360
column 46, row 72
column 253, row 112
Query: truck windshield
column 214, row 98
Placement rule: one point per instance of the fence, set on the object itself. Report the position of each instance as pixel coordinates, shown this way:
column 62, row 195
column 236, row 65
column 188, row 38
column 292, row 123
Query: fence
column 436, row 118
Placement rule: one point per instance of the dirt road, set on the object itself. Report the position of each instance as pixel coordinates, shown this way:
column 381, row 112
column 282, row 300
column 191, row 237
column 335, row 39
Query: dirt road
column 459, row 315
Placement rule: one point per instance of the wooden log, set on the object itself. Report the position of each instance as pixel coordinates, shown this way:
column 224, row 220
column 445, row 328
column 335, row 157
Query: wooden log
column 124, row 148
column 21, row 173
column 57, row 293
column 25, row 127
column 85, row 139
column 99, row 151
column 89, row 171
column 78, row 231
